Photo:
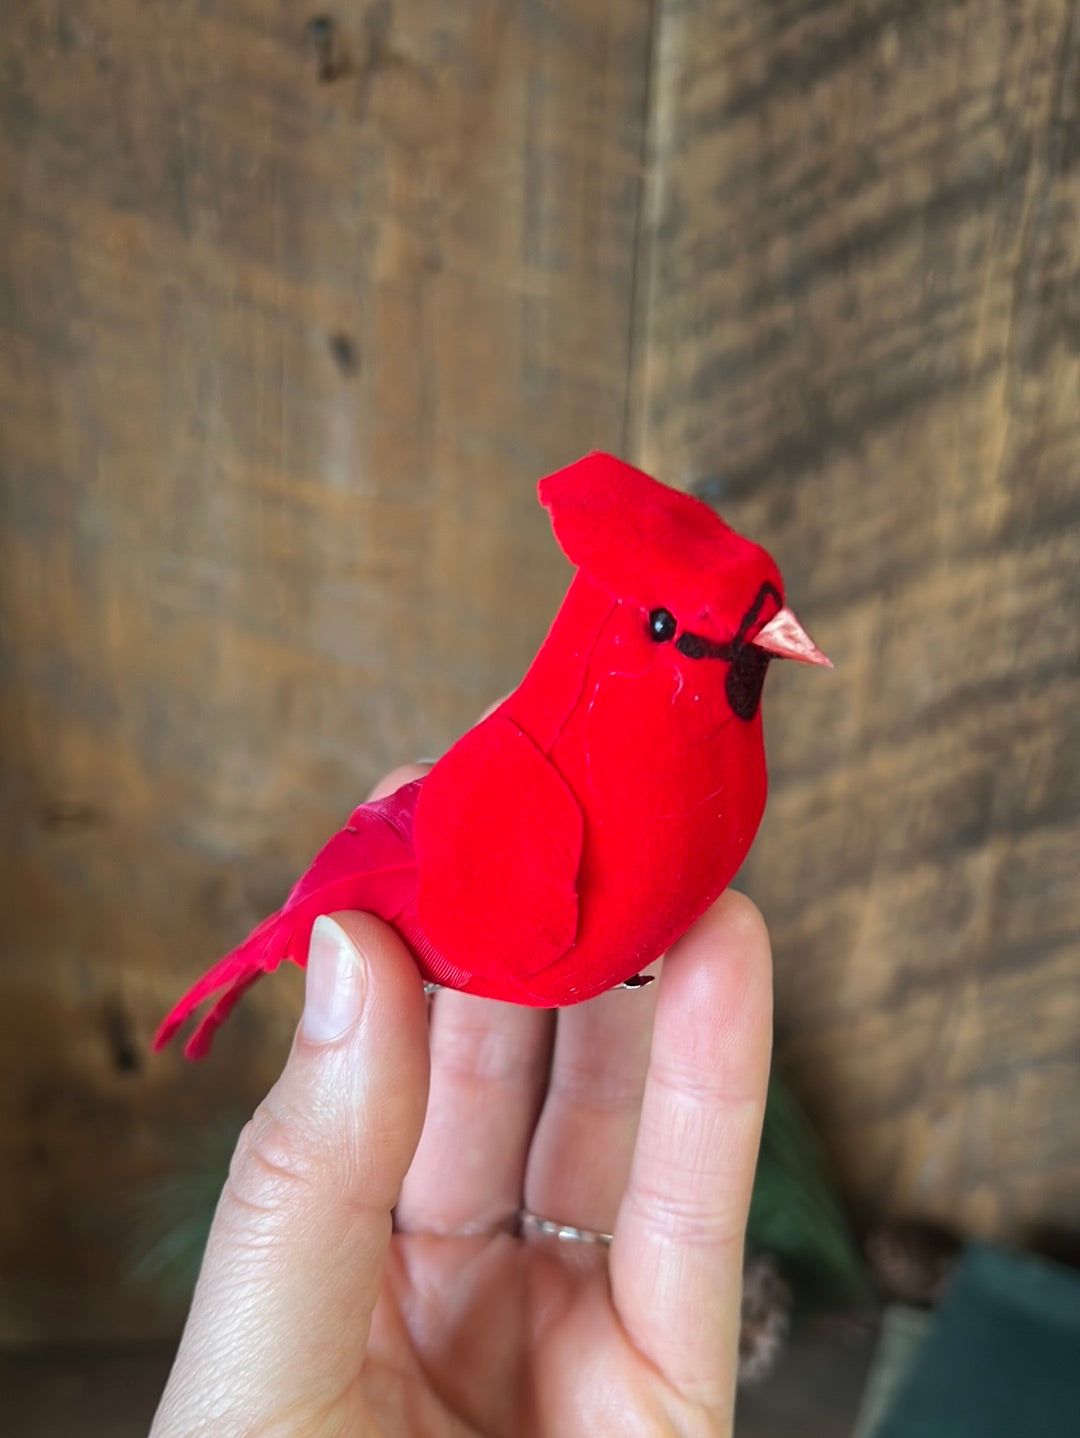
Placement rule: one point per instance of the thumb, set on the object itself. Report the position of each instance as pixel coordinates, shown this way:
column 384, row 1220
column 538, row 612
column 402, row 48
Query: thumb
column 281, row 1314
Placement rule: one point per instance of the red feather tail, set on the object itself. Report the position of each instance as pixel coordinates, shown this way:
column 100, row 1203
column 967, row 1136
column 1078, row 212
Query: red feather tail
column 368, row 865
column 260, row 953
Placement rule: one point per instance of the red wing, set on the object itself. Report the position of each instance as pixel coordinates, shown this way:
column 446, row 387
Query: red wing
column 369, row 865
column 498, row 844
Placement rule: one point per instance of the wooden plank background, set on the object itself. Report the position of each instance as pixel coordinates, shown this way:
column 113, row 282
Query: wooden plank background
column 280, row 360
column 861, row 342
column 281, row 363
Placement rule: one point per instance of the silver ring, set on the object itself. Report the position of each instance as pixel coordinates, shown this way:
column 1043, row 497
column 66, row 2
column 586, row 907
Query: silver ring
column 564, row 1232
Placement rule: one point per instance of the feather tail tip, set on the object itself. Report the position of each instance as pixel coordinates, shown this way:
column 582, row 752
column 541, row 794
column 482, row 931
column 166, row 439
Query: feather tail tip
column 225, row 984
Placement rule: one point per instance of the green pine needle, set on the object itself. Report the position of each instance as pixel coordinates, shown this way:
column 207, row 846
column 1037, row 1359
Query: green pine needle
column 175, row 1216
column 795, row 1213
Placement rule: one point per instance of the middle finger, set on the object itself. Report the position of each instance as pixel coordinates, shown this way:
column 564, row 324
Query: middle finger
column 584, row 1141
column 489, row 1061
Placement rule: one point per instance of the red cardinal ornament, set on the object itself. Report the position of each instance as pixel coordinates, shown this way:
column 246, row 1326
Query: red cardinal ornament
column 569, row 838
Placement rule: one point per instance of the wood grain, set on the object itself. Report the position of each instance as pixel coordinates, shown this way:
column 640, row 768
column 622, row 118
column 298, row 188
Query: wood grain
column 280, row 362
column 858, row 337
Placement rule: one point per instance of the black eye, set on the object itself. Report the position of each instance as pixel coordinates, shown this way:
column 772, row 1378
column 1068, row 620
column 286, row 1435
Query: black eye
column 662, row 625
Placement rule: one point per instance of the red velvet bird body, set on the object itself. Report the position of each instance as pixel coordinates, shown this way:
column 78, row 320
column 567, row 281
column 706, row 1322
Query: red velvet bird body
column 568, row 839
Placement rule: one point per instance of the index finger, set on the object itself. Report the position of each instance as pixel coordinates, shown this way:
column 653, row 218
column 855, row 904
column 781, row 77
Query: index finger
column 676, row 1260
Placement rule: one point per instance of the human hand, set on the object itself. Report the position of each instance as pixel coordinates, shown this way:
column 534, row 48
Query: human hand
column 364, row 1273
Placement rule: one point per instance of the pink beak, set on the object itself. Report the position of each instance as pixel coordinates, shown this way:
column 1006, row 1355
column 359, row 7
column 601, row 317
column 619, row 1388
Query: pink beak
column 785, row 636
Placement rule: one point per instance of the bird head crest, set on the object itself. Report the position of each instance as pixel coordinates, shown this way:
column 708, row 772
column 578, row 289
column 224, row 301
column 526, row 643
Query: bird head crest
column 654, row 546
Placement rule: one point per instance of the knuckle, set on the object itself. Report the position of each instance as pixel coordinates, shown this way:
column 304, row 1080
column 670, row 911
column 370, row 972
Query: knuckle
column 582, row 1083
column 272, row 1166
column 476, row 1052
column 695, row 1086
column 688, row 1220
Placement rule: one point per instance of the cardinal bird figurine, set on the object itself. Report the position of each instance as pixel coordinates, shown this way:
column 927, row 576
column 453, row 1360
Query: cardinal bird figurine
column 569, row 838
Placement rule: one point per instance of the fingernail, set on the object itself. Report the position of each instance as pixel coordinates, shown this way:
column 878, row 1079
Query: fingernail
column 336, row 983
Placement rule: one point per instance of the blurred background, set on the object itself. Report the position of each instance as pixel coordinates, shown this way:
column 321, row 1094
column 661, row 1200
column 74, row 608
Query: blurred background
column 296, row 307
